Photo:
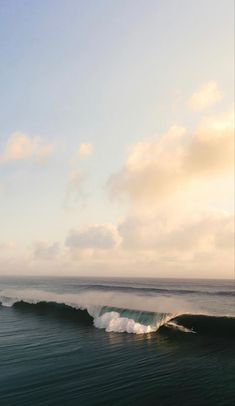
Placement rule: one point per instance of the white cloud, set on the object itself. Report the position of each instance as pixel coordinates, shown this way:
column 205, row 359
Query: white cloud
column 75, row 180
column 208, row 95
column 100, row 237
column 162, row 166
column 22, row 147
column 197, row 246
column 208, row 232
column 176, row 185
column 85, row 150
column 45, row 251
column 75, row 192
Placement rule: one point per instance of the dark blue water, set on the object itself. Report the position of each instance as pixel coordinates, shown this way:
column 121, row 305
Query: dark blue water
column 157, row 342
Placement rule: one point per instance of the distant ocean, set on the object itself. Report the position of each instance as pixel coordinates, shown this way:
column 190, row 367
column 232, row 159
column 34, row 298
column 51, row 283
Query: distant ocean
column 70, row 341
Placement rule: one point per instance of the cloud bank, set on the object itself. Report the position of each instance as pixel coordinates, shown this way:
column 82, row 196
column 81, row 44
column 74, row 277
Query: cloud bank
column 160, row 166
column 178, row 215
column 101, row 237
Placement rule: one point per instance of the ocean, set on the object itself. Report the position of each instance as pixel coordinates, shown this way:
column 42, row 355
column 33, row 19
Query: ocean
column 113, row 341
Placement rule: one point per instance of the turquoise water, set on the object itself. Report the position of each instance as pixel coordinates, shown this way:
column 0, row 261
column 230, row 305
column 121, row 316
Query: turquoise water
column 116, row 342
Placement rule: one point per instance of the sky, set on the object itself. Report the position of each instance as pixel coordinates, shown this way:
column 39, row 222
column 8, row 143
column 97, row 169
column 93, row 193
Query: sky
column 116, row 138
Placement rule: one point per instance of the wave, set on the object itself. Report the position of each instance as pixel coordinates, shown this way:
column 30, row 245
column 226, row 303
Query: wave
column 104, row 317
column 165, row 291
column 116, row 319
column 129, row 321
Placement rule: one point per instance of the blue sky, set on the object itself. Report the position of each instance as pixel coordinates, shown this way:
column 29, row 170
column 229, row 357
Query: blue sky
column 104, row 73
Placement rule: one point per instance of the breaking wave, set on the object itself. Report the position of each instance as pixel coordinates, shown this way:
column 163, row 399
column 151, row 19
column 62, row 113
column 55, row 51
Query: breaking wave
column 117, row 319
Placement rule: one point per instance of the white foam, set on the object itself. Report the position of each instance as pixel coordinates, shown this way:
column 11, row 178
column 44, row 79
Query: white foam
column 111, row 321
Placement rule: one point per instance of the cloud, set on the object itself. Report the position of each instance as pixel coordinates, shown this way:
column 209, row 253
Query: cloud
column 75, row 180
column 162, row 166
column 208, row 232
column 45, row 251
column 43, row 153
column 197, row 246
column 85, row 150
column 74, row 192
column 7, row 246
column 176, row 185
column 208, row 95
column 22, row 147
column 100, row 237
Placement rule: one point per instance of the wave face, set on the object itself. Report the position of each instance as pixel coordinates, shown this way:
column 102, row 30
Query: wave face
column 104, row 317
column 117, row 319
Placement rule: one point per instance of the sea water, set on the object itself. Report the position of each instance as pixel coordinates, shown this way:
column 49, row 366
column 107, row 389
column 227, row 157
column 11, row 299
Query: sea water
column 94, row 341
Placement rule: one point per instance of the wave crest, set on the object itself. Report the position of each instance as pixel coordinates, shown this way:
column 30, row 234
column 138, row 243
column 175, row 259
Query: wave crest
column 114, row 319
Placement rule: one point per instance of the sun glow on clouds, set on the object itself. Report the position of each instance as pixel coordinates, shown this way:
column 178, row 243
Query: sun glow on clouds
column 172, row 182
column 158, row 167
column 85, row 150
column 22, row 147
column 208, row 95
